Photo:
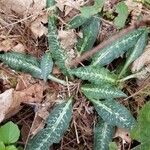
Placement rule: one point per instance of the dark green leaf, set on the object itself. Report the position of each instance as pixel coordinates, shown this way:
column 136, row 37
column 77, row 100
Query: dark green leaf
column 58, row 54
column 95, row 74
column 90, row 31
column 57, row 124
column 114, row 113
column 136, row 52
column 46, row 65
column 123, row 13
column 9, row 133
column 103, row 134
column 104, row 91
column 117, row 48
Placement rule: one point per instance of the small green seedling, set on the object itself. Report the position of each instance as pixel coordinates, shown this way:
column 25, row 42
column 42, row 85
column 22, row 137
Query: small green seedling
column 9, row 135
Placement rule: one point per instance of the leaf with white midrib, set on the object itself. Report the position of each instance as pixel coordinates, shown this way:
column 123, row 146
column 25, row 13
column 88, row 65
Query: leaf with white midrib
column 103, row 135
column 117, row 48
column 114, row 113
column 104, row 91
column 94, row 74
column 57, row 124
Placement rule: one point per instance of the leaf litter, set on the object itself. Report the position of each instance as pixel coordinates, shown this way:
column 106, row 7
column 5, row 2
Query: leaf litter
column 30, row 92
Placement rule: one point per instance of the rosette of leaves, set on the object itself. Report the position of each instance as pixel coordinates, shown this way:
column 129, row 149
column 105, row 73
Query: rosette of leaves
column 56, row 125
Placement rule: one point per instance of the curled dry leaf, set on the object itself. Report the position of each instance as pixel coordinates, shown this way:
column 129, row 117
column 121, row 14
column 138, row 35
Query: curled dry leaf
column 6, row 99
column 10, row 100
column 37, row 26
column 11, row 44
column 124, row 134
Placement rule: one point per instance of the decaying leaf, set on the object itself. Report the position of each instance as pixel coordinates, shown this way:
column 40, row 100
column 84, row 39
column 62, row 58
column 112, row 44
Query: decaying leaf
column 124, row 134
column 68, row 38
column 6, row 100
column 10, row 100
column 37, row 26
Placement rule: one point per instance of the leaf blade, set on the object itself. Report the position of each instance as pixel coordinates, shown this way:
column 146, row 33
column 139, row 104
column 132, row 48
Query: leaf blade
column 95, row 74
column 58, row 124
column 116, row 48
column 103, row 135
column 106, row 91
column 114, row 113
column 90, row 31
column 9, row 133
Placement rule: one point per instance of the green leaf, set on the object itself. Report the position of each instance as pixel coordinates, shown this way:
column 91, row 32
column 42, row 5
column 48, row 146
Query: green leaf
column 117, row 48
column 2, row 146
column 90, row 32
column 77, row 21
column 113, row 146
column 19, row 64
column 25, row 57
column 11, row 147
column 136, row 52
column 58, row 54
column 57, row 124
column 46, row 65
column 95, row 74
column 104, row 91
column 89, row 11
column 114, row 113
column 103, row 134
column 122, row 10
column 9, row 133
column 141, row 131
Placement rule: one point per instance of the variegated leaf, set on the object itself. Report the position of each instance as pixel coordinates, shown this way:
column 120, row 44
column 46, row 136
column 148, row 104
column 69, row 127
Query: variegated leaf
column 117, row 48
column 95, row 74
column 90, row 31
column 58, row 54
column 114, row 113
column 103, row 134
column 26, row 65
column 136, row 52
column 57, row 124
column 46, row 65
column 19, row 63
column 104, row 91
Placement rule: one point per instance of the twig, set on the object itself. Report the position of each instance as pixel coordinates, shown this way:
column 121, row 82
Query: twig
column 91, row 52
